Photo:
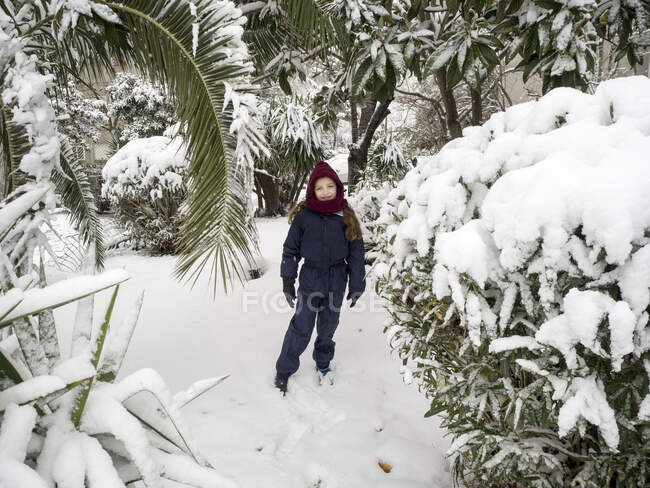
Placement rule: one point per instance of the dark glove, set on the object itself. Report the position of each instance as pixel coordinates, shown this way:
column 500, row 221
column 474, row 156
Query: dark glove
column 289, row 290
column 353, row 296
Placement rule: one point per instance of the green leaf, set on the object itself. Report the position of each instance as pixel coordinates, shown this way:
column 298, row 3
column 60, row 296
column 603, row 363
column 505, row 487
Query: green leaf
column 454, row 75
column 284, row 83
column 488, row 56
column 362, row 75
column 452, row 6
column 116, row 349
column 82, row 396
column 439, row 58
column 514, row 6
column 549, row 4
column 506, row 26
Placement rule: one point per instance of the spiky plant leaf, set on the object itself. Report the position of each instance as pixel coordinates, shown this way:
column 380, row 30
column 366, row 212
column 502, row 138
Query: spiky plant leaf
column 63, row 292
column 47, row 327
column 73, row 184
column 33, row 352
column 119, row 342
column 98, row 346
column 8, row 370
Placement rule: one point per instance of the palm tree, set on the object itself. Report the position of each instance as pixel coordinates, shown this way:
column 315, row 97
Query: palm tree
column 192, row 49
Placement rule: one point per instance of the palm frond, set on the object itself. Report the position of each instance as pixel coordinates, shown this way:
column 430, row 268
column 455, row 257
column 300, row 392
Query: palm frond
column 73, row 184
column 216, row 228
column 14, row 144
column 313, row 24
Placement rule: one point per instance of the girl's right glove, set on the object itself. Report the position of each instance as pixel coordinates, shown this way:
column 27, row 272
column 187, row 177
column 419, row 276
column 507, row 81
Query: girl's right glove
column 353, row 296
column 289, row 290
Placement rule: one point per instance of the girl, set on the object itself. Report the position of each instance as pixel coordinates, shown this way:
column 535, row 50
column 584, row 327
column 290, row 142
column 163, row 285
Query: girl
column 324, row 232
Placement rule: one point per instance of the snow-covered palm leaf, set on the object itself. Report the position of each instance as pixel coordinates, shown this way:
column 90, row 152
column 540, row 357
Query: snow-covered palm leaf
column 156, row 409
column 118, row 342
column 47, row 327
column 182, row 470
column 98, row 346
column 8, row 371
column 265, row 38
column 14, row 144
column 40, row 390
column 73, row 184
column 314, row 24
column 31, row 348
column 196, row 390
column 195, row 67
column 9, row 301
column 12, row 211
column 61, row 293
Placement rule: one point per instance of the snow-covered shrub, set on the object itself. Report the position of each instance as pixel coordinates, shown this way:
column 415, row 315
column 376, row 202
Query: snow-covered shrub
column 386, row 162
column 517, row 266
column 138, row 108
column 366, row 202
column 144, row 181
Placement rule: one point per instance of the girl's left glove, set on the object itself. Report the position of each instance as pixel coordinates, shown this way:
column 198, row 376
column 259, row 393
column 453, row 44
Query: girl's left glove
column 353, row 296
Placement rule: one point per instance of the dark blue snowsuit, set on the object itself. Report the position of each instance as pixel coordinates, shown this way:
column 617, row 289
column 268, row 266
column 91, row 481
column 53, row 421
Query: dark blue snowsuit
column 330, row 263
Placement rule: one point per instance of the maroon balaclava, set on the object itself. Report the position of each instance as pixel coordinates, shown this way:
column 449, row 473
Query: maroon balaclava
column 337, row 203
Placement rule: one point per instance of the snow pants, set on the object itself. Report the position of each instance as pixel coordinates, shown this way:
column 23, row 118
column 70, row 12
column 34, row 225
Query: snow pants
column 314, row 306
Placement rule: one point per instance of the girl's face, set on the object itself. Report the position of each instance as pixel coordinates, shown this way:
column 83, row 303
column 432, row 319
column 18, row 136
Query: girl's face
column 325, row 188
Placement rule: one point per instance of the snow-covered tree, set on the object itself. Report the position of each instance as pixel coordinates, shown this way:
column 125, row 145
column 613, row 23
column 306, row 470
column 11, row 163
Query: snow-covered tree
column 144, row 181
column 137, row 109
column 515, row 262
column 294, row 139
column 80, row 119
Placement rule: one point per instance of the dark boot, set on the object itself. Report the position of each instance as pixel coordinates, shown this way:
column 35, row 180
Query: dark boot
column 281, row 383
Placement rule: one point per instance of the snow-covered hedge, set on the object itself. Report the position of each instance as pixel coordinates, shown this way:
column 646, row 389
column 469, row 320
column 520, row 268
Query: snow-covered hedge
column 517, row 265
column 144, row 180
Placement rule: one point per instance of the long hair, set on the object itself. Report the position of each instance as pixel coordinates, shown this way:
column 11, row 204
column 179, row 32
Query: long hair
column 352, row 225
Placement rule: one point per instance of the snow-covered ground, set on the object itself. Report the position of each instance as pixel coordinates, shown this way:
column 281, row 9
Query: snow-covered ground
column 316, row 436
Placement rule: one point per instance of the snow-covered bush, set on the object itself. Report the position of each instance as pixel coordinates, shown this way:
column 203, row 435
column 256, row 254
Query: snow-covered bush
column 366, row 202
column 138, row 108
column 144, row 181
column 386, row 162
column 517, row 266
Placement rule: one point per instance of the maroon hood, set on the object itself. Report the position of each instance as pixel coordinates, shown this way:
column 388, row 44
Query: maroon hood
column 338, row 203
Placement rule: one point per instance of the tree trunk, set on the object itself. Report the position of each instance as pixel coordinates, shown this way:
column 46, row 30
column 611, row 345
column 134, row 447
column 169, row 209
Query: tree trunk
column 354, row 122
column 477, row 106
column 368, row 124
column 449, row 103
column 270, row 194
column 258, row 192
